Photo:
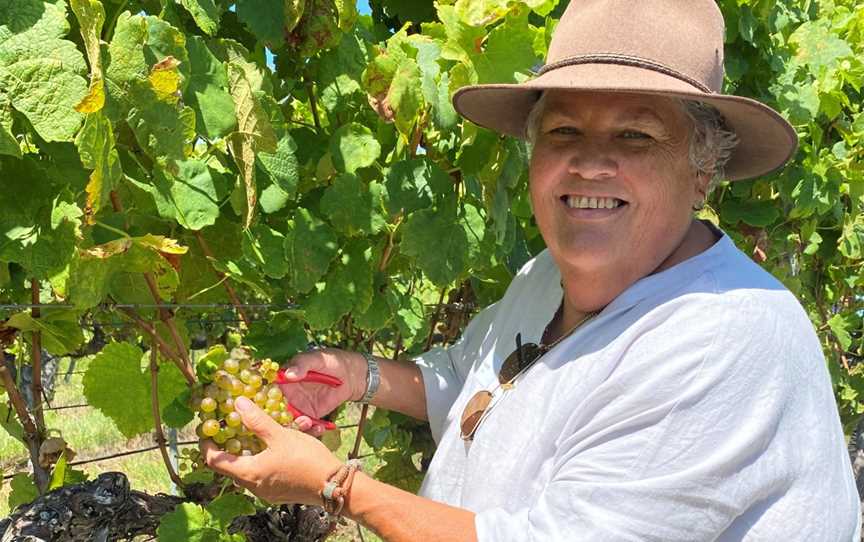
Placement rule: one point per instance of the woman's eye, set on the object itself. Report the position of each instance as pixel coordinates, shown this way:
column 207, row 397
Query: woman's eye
column 632, row 134
column 564, row 130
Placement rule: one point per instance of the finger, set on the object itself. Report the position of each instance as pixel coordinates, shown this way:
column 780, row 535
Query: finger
column 304, row 423
column 297, row 368
column 256, row 420
column 219, row 460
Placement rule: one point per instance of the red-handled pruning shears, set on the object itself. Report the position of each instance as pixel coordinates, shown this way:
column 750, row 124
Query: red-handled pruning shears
column 314, row 377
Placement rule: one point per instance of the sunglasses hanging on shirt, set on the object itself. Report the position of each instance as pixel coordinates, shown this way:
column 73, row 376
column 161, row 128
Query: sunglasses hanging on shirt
column 518, row 362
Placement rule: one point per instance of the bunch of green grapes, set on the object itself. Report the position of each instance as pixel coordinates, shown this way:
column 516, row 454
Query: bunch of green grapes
column 238, row 375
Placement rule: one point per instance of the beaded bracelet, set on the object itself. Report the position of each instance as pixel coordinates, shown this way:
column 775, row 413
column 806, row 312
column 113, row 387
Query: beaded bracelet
column 337, row 487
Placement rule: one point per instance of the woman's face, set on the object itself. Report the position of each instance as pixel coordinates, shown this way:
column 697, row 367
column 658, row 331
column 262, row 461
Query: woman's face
column 611, row 184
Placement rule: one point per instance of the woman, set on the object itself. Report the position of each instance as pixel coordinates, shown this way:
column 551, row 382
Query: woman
column 678, row 393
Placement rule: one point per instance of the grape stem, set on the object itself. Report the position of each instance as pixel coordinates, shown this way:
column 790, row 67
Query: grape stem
column 232, row 295
column 36, row 352
column 166, row 350
column 31, row 434
column 157, row 419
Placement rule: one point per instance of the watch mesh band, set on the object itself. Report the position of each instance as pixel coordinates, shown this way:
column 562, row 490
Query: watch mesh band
column 373, row 378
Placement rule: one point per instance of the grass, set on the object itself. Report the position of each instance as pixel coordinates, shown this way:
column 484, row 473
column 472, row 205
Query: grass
column 93, row 435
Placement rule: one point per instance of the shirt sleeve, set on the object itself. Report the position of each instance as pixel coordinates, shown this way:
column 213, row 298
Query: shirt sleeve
column 444, row 370
column 672, row 446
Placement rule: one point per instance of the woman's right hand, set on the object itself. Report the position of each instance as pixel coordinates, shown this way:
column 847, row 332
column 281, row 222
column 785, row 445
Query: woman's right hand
column 317, row 400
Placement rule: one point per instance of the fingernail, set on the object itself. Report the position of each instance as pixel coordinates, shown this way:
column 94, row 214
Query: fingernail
column 290, row 373
column 242, row 404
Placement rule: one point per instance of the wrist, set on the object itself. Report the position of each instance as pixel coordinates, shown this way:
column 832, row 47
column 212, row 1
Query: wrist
column 360, row 370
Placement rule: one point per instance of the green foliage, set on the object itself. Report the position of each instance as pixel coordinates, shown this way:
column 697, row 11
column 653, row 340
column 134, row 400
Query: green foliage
column 341, row 182
column 23, row 490
column 117, row 385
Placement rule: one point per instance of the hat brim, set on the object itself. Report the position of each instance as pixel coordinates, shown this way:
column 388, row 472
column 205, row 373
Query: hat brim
column 765, row 140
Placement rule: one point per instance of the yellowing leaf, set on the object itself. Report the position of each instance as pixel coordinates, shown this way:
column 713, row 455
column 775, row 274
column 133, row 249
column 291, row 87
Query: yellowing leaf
column 91, row 17
column 161, row 244
column 94, row 101
column 165, row 79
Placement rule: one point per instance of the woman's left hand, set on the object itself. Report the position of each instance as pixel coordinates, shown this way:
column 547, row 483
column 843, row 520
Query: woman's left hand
column 293, row 468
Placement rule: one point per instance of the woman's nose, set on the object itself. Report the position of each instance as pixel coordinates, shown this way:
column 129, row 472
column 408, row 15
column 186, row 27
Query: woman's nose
column 592, row 161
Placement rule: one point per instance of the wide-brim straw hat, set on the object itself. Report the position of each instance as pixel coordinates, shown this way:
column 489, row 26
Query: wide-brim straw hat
column 669, row 48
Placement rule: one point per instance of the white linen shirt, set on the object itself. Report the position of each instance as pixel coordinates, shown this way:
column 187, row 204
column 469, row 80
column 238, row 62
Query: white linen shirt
column 697, row 406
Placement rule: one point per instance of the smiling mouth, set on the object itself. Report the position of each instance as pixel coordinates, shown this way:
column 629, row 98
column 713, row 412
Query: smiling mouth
column 584, row 202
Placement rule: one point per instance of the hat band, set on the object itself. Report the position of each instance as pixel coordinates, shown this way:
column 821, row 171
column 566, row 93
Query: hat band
column 624, row 60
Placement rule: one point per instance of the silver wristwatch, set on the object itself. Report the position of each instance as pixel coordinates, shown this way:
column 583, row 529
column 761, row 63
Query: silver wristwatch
column 373, row 378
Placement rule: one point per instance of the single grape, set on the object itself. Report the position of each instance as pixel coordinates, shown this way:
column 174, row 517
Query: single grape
column 220, row 437
column 245, row 375
column 274, row 393
column 260, row 398
column 233, row 419
column 249, row 391
column 233, row 446
column 285, row 418
column 231, row 365
column 275, row 415
column 208, row 404
column 223, row 380
column 229, row 431
column 223, row 395
column 272, row 405
column 226, row 406
column 255, row 380
column 210, row 428
column 236, row 387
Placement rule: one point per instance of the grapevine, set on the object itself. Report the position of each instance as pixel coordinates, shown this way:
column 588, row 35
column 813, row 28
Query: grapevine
column 220, row 184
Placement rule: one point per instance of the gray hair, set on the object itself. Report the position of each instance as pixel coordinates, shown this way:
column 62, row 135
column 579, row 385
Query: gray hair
column 711, row 140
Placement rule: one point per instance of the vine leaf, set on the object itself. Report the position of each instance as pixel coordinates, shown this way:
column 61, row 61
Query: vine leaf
column 207, row 92
column 61, row 331
column 95, row 144
column 189, row 522
column 9, row 422
column 281, row 167
column 310, row 246
column 265, row 247
column 353, row 207
column 353, row 146
column 128, row 405
column 347, row 287
column 8, row 144
column 413, row 184
column 254, row 132
column 23, row 490
column 162, row 125
column 442, row 243
column 278, row 338
column 100, row 270
column 41, row 73
column 205, row 14
column 190, row 195
column 91, row 17
column 270, row 21
column 225, row 508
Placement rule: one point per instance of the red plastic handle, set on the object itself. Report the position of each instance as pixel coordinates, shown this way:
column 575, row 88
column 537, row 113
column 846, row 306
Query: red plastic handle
column 329, row 426
column 312, row 376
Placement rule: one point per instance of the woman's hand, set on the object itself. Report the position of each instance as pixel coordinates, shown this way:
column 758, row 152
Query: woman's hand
column 293, row 468
column 318, row 400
